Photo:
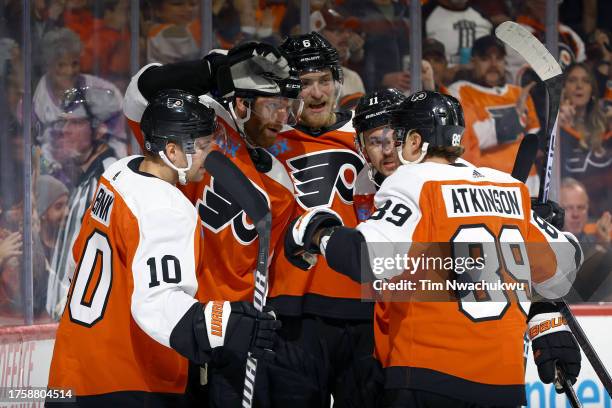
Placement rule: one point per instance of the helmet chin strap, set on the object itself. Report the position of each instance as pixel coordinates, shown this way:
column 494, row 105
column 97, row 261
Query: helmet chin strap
column 182, row 173
column 240, row 123
column 418, row 160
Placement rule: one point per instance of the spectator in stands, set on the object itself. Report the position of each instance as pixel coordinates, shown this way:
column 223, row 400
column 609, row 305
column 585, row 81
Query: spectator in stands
column 61, row 53
column 457, row 25
column 586, row 150
column 107, row 52
column 434, row 53
column 78, row 17
column 497, row 114
column 11, row 235
column 532, row 16
column 176, row 34
column 52, row 208
column 385, row 24
column 599, row 58
column 47, row 15
column 338, row 31
column 495, row 11
column 11, row 75
column 594, row 280
column 80, row 139
column 574, row 199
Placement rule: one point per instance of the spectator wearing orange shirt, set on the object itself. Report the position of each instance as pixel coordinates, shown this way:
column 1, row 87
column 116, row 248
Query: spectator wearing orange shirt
column 107, row 52
column 78, row 17
column 497, row 114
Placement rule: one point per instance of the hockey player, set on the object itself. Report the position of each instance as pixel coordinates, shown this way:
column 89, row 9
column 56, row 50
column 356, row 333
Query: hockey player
column 131, row 319
column 467, row 350
column 379, row 150
column 324, row 321
column 260, row 101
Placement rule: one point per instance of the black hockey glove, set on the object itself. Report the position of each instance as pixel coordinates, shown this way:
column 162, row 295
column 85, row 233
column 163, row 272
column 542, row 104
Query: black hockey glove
column 552, row 342
column 550, row 211
column 243, row 330
column 300, row 249
column 250, row 68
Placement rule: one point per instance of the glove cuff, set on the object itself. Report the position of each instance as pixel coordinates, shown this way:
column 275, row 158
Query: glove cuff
column 217, row 314
column 546, row 323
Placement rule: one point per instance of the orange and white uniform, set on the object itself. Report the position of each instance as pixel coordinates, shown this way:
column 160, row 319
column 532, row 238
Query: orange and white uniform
column 324, row 168
column 493, row 128
column 137, row 255
column 365, row 189
column 466, row 347
column 231, row 242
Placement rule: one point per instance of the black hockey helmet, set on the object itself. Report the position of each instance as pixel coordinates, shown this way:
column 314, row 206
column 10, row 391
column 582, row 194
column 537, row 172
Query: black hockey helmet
column 374, row 110
column 178, row 116
column 437, row 117
column 312, row 52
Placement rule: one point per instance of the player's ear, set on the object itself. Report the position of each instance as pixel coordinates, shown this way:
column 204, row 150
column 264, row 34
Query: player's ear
column 241, row 107
column 171, row 151
column 414, row 139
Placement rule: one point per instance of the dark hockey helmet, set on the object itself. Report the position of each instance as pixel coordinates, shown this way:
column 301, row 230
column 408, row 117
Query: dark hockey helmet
column 178, row 116
column 312, row 52
column 374, row 110
column 437, row 117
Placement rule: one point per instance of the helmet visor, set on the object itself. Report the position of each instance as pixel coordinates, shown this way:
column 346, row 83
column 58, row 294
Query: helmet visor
column 281, row 110
column 380, row 139
column 204, row 142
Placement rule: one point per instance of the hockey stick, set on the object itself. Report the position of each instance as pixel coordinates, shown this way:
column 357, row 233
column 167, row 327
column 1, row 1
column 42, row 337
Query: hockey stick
column 525, row 156
column 549, row 71
column 256, row 208
column 567, row 386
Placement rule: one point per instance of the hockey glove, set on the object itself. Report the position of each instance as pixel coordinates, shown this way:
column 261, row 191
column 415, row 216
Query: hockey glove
column 239, row 327
column 550, row 211
column 250, row 68
column 300, row 249
column 552, row 342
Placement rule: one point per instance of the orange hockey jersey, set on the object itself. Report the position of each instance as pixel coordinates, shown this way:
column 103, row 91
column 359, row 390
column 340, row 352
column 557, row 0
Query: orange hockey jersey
column 231, row 242
column 466, row 344
column 134, row 281
column 493, row 128
column 324, row 168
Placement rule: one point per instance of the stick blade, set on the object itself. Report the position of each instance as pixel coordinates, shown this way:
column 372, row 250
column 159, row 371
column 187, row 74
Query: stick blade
column 238, row 186
column 525, row 156
column 535, row 53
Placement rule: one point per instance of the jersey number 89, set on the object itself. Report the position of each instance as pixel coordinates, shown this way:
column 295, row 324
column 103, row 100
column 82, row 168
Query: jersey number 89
column 506, row 250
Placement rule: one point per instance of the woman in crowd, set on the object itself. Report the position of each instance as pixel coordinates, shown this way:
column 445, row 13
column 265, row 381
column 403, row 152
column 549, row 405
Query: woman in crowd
column 586, row 145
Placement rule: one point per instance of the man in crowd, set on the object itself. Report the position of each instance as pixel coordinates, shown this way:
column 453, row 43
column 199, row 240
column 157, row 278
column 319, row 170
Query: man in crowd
column 594, row 280
column 497, row 114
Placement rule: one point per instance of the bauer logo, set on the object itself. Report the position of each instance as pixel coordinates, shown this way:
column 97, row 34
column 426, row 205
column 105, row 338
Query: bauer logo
column 477, row 201
column 102, row 206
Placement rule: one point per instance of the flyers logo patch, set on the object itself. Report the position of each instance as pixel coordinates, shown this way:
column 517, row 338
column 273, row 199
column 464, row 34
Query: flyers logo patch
column 217, row 211
column 319, row 176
